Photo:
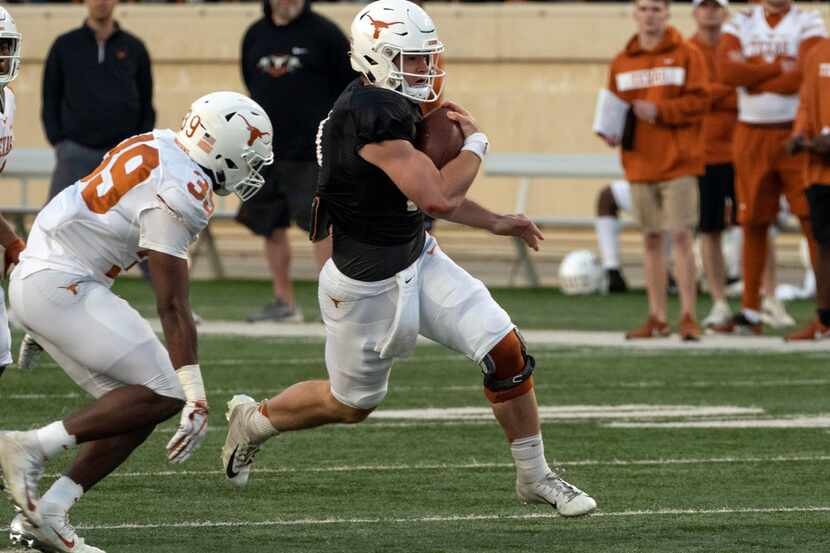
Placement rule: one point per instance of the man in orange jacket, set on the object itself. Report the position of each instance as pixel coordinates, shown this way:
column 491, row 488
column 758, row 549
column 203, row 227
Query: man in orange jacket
column 666, row 82
column 717, row 184
column 759, row 54
column 812, row 132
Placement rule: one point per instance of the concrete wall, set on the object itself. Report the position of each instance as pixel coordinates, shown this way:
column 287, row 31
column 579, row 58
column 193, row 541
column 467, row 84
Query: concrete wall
column 528, row 72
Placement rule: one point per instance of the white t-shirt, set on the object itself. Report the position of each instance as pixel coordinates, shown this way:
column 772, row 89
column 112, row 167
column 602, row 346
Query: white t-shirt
column 147, row 194
column 758, row 39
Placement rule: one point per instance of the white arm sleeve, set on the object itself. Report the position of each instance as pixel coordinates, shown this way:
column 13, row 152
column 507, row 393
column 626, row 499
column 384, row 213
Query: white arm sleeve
column 162, row 231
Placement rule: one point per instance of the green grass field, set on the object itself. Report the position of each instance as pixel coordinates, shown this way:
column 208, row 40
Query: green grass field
column 404, row 485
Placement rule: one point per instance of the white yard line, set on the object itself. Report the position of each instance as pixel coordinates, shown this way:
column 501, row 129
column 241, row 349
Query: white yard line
column 818, row 421
column 535, row 337
column 479, row 466
column 438, row 518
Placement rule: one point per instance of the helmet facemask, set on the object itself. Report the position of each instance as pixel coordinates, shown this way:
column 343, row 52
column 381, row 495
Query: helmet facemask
column 10, row 42
column 423, row 91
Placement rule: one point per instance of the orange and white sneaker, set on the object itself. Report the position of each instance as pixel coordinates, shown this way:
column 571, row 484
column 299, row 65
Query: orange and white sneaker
column 653, row 328
column 814, row 331
column 22, row 463
column 688, row 329
column 55, row 535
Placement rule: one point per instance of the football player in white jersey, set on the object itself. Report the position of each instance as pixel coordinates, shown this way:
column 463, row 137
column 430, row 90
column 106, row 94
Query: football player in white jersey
column 150, row 197
column 10, row 40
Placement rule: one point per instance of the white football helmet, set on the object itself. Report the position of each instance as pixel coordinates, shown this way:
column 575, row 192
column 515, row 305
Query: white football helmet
column 382, row 34
column 580, row 273
column 231, row 136
column 8, row 31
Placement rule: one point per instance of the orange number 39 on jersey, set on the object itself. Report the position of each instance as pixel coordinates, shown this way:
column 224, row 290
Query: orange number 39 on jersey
column 128, row 164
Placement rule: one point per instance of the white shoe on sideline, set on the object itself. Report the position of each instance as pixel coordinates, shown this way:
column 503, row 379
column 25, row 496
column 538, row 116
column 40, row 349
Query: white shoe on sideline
column 238, row 452
column 568, row 500
column 774, row 314
column 22, row 462
column 718, row 315
column 55, row 535
column 29, row 355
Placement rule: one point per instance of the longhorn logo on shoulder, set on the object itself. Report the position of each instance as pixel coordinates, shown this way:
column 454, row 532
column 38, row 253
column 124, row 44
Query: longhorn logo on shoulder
column 381, row 25
column 255, row 132
column 71, row 288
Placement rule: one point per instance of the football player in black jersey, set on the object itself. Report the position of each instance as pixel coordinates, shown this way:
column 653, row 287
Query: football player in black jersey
column 388, row 281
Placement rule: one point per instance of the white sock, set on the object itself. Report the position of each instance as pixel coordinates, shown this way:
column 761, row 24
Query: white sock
column 731, row 243
column 61, row 496
column 54, row 438
column 529, row 458
column 751, row 315
column 608, row 239
column 259, row 425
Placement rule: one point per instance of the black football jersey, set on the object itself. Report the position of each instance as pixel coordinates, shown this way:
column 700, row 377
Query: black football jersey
column 376, row 229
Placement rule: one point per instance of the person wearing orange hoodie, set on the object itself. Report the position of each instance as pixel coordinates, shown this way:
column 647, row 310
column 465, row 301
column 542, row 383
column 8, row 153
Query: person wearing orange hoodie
column 717, row 184
column 812, row 133
column 665, row 80
column 759, row 54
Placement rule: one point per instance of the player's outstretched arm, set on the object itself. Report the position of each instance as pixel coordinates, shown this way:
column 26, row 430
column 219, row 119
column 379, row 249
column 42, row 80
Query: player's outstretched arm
column 474, row 215
column 171, row 282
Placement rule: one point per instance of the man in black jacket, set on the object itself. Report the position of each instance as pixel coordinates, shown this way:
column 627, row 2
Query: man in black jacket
column 295, row 64
column 97, row 91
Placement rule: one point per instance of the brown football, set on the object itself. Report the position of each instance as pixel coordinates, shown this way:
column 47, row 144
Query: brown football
column 439, row 137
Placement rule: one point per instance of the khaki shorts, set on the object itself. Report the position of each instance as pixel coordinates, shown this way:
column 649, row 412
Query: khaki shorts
column 666, row 205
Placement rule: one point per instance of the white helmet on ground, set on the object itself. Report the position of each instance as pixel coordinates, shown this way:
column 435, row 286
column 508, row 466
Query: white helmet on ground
column 580, row 273
column 231, row 136
column 382, row 34
column 8, row 32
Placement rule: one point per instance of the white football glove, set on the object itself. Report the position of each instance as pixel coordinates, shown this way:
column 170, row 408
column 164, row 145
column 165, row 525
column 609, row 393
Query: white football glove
column 192, row 430
column 194, row 420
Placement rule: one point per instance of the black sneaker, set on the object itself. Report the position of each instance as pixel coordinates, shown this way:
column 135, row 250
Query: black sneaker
column 616, row 281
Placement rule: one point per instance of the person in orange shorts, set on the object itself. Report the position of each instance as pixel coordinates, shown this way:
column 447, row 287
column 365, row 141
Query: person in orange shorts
column 759, row 54
column 812, row 133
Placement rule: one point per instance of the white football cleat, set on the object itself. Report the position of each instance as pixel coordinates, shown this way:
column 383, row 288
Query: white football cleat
column 774, row 314
column 22, row 462
column 718, row 315
column 238, row 452
column 568, row 500
column 56, row 535
column 29, row 355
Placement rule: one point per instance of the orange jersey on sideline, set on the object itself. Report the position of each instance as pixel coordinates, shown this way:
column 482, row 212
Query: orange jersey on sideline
column 675, row 78
column 814, row 109
column 750, row 56
column 719, row 122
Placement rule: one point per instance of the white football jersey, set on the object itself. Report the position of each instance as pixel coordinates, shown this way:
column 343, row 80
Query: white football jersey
column 6, row 126
column 101, row 225
column 759, row 40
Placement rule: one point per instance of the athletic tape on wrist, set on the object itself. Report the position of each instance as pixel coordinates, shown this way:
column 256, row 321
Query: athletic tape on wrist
column 476, row 143
column 190, row 377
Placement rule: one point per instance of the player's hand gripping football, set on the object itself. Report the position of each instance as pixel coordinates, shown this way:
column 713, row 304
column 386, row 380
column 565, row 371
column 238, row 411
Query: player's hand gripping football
column 521, row 226
column 462, row 117
column 192, row 430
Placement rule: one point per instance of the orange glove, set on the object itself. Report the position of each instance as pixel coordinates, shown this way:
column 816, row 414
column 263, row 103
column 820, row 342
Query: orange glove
column 12, row 255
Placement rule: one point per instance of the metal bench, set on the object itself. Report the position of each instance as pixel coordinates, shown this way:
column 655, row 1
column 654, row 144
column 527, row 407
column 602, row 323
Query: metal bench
column 27, row 164
column 530, row 166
